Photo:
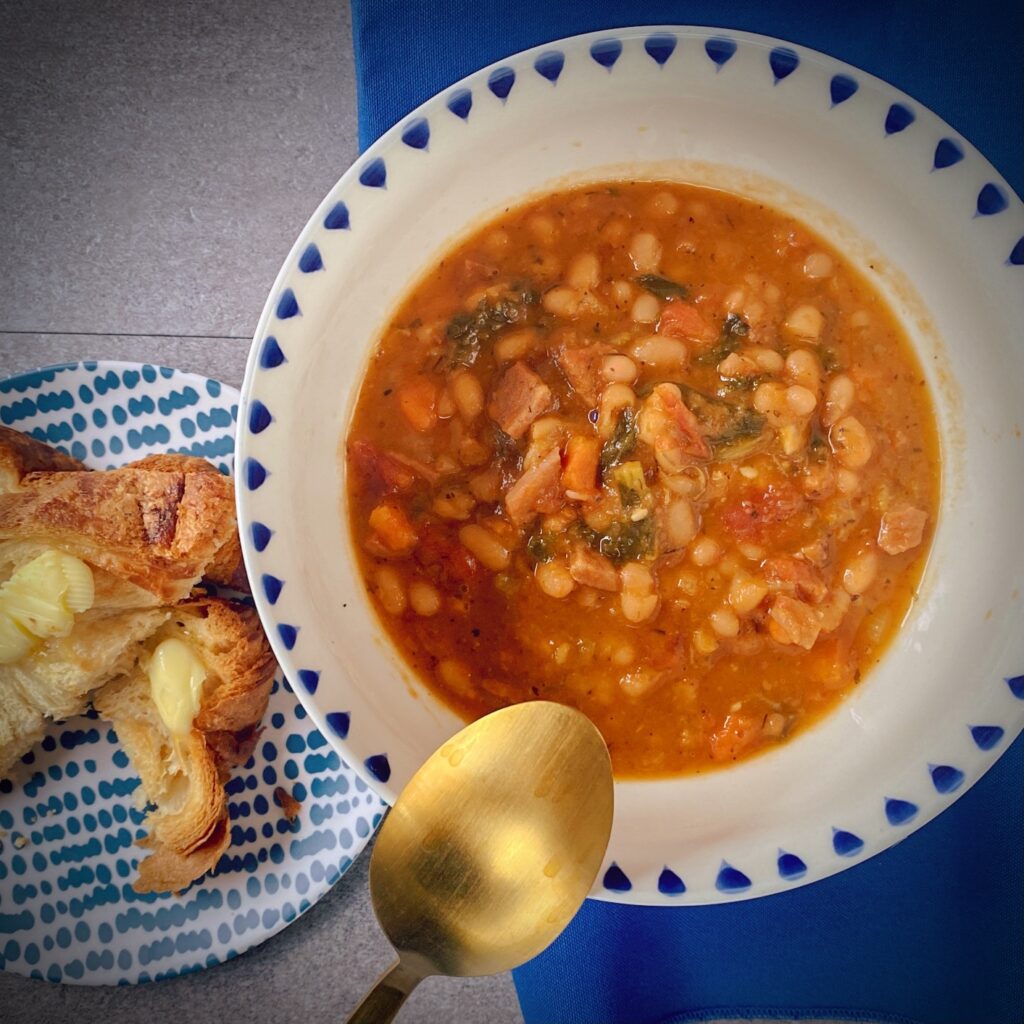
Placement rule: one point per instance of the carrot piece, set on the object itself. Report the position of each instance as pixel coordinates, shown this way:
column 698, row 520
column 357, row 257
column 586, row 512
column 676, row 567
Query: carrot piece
column 392, row 526
column 579, row 475
column 417, row 398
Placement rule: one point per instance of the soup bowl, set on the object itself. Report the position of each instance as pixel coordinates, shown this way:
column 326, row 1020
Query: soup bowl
column 880, row 177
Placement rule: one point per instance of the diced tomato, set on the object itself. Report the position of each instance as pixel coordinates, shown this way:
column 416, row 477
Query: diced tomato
column 682, row 320
column 390, row 523
column 758, row 510
column 446, row 560
column 737, row 733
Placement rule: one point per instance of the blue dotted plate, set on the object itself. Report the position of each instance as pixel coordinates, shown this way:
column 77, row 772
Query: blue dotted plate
column 68, row 827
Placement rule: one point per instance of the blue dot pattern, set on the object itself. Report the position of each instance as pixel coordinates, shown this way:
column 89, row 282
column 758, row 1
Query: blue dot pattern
column 374, row 174
column 501, row 81
column 841, row 90
column 615, row 879
column 720, row 50
column 68, row 829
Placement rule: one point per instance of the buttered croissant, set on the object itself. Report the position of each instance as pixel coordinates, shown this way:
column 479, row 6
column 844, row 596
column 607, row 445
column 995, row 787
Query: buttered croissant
column 97, row 573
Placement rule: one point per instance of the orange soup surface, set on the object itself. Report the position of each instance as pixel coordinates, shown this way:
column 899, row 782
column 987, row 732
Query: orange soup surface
column 652, row 450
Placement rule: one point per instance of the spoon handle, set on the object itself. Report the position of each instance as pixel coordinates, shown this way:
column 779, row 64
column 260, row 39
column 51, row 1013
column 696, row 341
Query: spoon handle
column 381, row 1004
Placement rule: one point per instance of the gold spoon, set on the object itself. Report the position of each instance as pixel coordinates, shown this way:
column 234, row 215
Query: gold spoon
column 490, row 850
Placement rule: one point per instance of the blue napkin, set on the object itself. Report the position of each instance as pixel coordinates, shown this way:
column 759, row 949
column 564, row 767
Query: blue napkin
column 931, row 932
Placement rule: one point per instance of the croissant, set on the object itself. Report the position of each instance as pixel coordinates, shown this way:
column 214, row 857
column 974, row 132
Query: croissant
column 149, row 533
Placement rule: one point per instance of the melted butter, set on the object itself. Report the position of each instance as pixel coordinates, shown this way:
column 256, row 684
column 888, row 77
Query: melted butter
column 40, row 600
column 176, row 677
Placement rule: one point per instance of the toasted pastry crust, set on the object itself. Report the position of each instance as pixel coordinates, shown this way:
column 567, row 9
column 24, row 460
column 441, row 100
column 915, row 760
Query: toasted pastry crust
column 185, row 777
column 158, row 530
column 227, row 568
column 151, row 531
column 21, row 454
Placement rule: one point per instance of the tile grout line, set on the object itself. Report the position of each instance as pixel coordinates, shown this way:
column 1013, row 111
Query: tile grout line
column 125, row 334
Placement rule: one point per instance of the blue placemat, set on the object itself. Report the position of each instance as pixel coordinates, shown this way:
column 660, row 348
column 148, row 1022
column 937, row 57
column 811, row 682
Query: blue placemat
column 931, row 932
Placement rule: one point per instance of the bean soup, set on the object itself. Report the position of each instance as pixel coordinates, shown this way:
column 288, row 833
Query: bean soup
column 652, row 450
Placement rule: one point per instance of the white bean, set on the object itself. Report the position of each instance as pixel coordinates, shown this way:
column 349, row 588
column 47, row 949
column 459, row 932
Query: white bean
column 638, row 608
column 860, row 572
column 424, row 598
column 847, row 482
column 485, row 546
column 663, row 204
column 584, row 272
column 705, row 551
column 454, row 504
column 746, row 593
column 680, row 523
column 624, row 655
column 621, row 292
column 661, row 352
column 645, row 252
column 468, row 395
column 839, row 397
column 770, row 399
column 818, row 264
column 618, row 368
column 724, row 622
column 514, row 345
column 801, row 400
column 767, row 359
column 638, row 599
column 456, row 676
column 614, row 398
column 390, row 590
column 805, row 322
column 646, row 309
column 803, row 368
column 554, row 579
column 850, row 442
column 542, row 227
column 562, row 301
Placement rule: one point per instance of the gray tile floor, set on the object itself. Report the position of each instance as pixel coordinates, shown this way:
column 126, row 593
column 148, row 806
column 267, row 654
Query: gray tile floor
column 156, row 162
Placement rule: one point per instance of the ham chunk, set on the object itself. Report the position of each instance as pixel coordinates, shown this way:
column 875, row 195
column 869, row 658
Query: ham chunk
column 792, row 622
column 381, row 472
column 902, row 529
column 538, row 490
column 592, row 570
column 581, row 367
column 795, row 577
column 520, row 397
column 737, row 733
column 670, row 428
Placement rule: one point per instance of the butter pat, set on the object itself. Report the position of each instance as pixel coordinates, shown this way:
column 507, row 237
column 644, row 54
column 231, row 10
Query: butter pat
column 41, row 600
column 176, row 677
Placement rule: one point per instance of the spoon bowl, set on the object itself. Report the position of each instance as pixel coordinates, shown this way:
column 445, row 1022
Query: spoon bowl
column 490, row 849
